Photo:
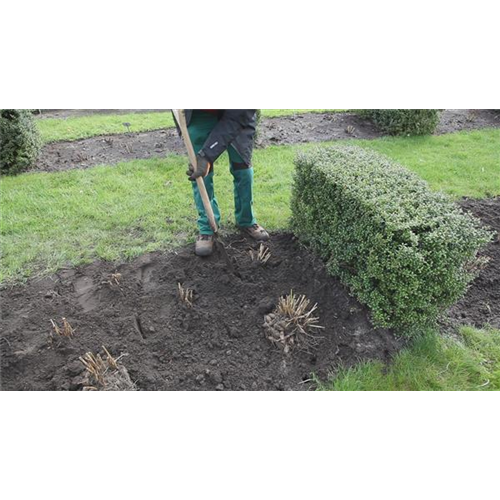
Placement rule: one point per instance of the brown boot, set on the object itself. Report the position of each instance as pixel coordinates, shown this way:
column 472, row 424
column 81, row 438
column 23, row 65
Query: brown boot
column 204, row 245
column 258, row 233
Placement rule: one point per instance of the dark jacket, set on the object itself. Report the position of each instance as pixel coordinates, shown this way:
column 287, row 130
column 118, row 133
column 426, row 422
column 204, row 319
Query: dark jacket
column 236, row 128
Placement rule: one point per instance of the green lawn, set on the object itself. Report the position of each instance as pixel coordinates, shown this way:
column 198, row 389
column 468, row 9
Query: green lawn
column 433, row 362
column 112, row 212
column 461, row 164
column 81, row 127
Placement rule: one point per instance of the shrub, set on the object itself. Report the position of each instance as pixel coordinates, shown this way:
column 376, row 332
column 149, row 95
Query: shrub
column 405, row 251
column 404, row 121
column 19, row 140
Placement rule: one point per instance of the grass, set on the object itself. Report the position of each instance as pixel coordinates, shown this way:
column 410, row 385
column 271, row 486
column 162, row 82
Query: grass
column 460, row 164
column 81, row 127
column 112, row 212
column 433, row 362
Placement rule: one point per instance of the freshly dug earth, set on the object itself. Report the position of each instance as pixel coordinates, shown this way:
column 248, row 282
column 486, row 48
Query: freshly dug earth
column 455, row 120
column 295, row 129
column 219, row 343
column 481, row 305
column 108, row 150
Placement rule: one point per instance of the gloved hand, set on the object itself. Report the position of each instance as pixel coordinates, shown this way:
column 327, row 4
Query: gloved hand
column 201, row 169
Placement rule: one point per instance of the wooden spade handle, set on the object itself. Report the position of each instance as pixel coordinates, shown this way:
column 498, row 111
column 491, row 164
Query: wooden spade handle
column 181, row 120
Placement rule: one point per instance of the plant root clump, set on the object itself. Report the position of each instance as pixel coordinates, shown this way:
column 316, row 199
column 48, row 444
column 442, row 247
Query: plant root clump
column 292, row 324
column 262, row 255
column 106, row 374
column 186, row 295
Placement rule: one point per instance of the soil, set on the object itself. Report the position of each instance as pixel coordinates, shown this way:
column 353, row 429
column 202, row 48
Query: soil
column 455, row 120
column 218, row 344
column 108, row 150
column 481, row 305
column 295, row 129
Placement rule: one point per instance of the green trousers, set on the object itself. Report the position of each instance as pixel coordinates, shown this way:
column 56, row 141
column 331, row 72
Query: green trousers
column 199, row 129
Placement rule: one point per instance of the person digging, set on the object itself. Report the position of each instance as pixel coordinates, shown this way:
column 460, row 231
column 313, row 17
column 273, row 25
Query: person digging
column 212, row 132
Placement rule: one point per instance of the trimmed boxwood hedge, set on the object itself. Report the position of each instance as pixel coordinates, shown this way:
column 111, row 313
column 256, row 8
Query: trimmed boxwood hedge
column 404, row 250
column 404, row 121
column 19, row 140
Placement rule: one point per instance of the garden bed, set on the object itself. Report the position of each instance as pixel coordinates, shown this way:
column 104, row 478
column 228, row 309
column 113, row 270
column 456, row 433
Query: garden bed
column 481, row 305
column 294, row 129
column 220, row 342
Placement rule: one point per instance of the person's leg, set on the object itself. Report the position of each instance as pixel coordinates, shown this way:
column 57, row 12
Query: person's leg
column 243, row 197
column 199, row 129
column 243, row 189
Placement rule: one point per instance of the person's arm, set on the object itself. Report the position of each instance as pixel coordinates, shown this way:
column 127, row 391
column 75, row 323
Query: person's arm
column 225, row 132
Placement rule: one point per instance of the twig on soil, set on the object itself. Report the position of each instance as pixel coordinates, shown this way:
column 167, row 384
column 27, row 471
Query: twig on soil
column 95, row 366
column 262, row 255
column 185, row 295
column 350, row 130
column 232, row 243
column 65, row 331
column 6, row 340
column 115, row 279
column 138, row 326
column 306, row 381
column 111, row 361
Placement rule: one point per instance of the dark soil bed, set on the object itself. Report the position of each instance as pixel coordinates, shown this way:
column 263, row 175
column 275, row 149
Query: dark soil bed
column 295, row 129
column 219, row 343
column 108, row 150
column 481, row 305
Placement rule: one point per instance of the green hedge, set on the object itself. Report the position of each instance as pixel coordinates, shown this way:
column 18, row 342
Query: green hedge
column 19, row 140
column 404, row 121
column 405, row 251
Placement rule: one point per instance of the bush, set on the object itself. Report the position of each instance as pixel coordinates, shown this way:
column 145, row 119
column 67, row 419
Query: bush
column 404, row 121
column 405, row 251
column 19, row 140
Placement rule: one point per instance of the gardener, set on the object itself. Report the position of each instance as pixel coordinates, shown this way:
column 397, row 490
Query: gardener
column 213, row 131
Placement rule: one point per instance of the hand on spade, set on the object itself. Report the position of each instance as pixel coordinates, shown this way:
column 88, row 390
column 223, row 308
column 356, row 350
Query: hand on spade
column 201, row 169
